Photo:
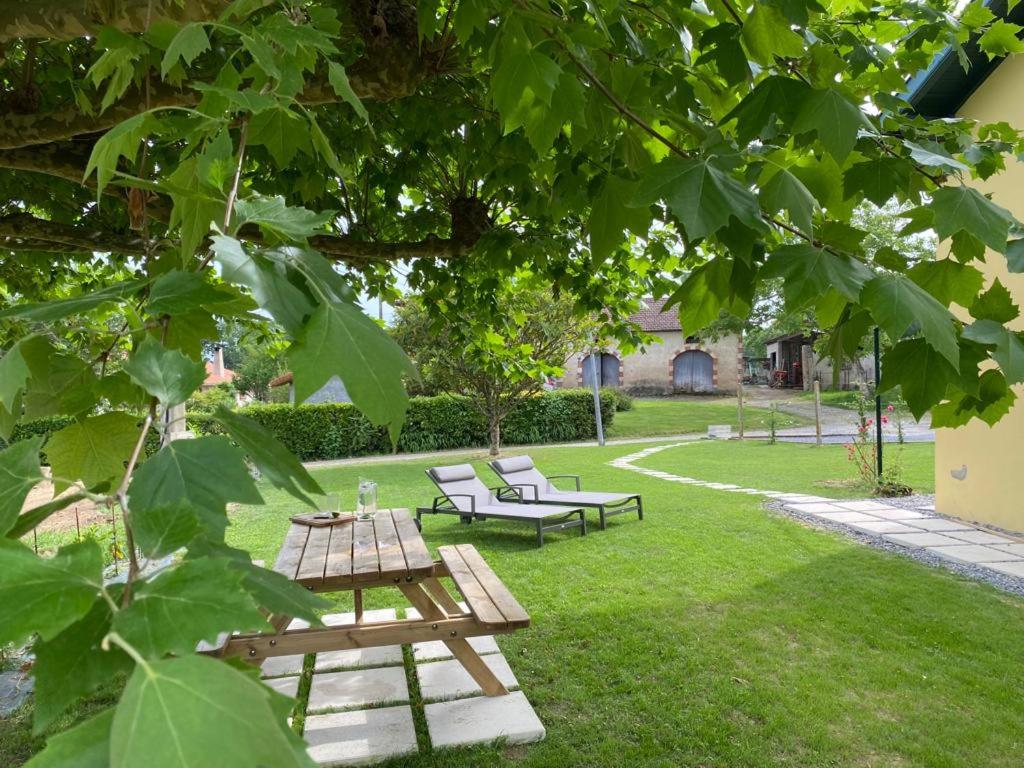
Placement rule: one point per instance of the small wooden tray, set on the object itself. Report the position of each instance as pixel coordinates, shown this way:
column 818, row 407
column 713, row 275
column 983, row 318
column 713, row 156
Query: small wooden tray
column 311, row 519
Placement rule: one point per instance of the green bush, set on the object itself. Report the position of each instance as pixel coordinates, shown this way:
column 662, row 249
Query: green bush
column 623, row 400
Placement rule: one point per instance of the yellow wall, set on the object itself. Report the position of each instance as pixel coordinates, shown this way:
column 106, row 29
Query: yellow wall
column 993, row 490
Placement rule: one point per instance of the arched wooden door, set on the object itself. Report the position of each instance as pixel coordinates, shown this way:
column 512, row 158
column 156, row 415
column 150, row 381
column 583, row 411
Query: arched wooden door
column 608, row 370
column 693, row 371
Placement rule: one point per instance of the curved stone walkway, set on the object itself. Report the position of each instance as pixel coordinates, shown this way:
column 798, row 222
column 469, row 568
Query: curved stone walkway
column 913, row 529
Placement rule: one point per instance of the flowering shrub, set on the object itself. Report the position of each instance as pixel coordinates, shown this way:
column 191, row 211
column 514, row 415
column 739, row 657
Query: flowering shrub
column 863, row 452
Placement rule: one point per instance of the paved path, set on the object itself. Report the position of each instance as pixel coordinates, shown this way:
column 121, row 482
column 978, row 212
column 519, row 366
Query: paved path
column 910, row 528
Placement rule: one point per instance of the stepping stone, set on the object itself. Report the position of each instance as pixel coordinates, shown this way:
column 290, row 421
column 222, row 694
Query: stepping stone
column 289, row 686
column 450, row 680
column 980, row 537
column 1014, row 568
column 483, row 719
column 357, row 688
column 815, row 508
column 848, row 517
column 896, row 514
column 358, row 657
column 924, row 539
column 362, row 736
column 974, row 553
column 436, row 649
column 278, row 666
column 862, row 506
column 882, row 526
column 804, row 499
column 334, row 619
column 937, row 524
column 1014, row 549
column 927, row 507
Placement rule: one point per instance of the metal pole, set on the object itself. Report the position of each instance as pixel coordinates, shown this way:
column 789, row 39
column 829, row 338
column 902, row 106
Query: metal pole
column 595, row 362
column 878, row 403
column 739, row 404
column 817, row 411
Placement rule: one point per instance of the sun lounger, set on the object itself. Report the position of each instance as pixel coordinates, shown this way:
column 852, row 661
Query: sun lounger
column 532, row 486
column 464, row 494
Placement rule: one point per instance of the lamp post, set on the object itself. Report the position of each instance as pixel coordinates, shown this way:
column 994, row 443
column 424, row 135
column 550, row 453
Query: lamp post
column 878, row 405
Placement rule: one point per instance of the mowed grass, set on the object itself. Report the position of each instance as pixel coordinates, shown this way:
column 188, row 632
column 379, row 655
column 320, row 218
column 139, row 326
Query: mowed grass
column 669, row 416
column 714, row 633
column 791, row 467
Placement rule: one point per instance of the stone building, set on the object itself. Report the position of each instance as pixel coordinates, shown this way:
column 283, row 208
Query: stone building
column 675, row 364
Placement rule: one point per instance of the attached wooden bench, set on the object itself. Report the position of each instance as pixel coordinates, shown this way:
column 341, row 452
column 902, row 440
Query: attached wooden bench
column 489, row 600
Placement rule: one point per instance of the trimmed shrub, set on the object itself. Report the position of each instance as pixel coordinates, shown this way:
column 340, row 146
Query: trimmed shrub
column 623, row 400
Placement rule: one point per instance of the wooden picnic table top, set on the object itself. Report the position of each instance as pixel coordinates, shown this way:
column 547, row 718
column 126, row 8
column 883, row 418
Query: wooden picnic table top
column 385, row 550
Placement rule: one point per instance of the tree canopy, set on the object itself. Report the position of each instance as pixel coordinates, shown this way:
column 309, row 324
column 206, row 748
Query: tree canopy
column 165, row 166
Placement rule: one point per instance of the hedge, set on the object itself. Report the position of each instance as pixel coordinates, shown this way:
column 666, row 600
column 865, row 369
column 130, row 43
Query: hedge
column 442, row 422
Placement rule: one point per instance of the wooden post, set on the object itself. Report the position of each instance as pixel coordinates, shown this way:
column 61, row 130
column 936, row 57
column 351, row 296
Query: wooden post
column 739, row 404
column 817, row 411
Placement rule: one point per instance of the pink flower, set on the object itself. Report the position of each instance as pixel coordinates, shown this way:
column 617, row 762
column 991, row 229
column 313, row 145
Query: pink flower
column 885, row 419
column 891, row 408
column 869, row 422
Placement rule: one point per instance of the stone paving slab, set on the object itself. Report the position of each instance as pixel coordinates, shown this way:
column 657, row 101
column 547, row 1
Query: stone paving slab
column 450, row 680
column 937, row 524
column 483, row 719
column 848, row 517
column 1014, row 549
column 353, row 658
column 924, row 539
column 882, row 526
column 360, row 737
column 357, row 688
column 289, row 686
column 863, row 505
column 979, row 537
column 816, row 507
column 896, row 514
column 436, row 650
column 278, row 666
column 974, row 554
column 1011, row 568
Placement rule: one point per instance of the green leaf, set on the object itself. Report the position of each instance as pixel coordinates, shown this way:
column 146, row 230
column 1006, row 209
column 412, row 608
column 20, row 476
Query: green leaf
column 262, row 54
column 834, row 119
column 879, row 179
column 190, row 41
column 610, row 214
column 1001, row 39
column 948, row 280
column 1015, row 255
column 338, row 79
column 993, row 401
column 784, row 191
column 890, row 258
column 896, row 303
column 163, row 529
column 700, row 194
column 995, row 304
column 323, row 147
column 73, row 664
column 86, row 745
column 934, row 155
column 177, row 292
column 339, row 340
column 51, row 311
column 767, row 34
column 703, row 295
column 33, row 517
column 19, row 474
column 1009, row 349
column 808, row 272
column 179, row 474
column 44, row 595
column 278, row 220
column 281, row 131
column 192, row 601
column 93, row 451
column 195, row 209
column 524, row 74
column 774, row 98
column 167, row 374
column 123, row 140
column 921, row 373
column 58, row 384
column 965, row 209
column 269, row 285
column 13, row 375
column 198, row 711
column 279, row 594
column 275, row 461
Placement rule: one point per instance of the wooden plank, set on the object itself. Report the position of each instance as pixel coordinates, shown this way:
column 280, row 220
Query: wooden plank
column 477, row 667
column 288, row 559
column 437, row 591
column 365, row 563
column 339, row 555
column 314, row 559
column 480, row 603
column 389, row 548
column 514, row 613
column 417, row 559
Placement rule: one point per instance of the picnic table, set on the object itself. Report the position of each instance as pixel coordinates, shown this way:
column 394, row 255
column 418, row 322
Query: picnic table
column 387, row 551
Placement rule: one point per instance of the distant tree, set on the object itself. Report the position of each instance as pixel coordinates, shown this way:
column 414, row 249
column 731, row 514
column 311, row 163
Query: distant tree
column 497, row 365
column 257, row 368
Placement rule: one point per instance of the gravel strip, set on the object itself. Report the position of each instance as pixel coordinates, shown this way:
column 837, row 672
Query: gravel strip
column 1011, row 584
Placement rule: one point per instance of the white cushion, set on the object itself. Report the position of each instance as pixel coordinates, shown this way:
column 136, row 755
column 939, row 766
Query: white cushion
column 453, row 473
column 513, row 464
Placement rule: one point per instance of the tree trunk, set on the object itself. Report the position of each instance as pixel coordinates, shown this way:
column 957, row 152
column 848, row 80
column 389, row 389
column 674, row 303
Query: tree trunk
column 495, row 434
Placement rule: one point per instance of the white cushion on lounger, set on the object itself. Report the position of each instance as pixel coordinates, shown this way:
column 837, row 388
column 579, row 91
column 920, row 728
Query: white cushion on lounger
column 513, row 464
column 453, row 473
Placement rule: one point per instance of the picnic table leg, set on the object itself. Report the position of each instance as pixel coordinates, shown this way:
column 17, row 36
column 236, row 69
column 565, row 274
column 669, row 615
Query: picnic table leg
column 357, row 596
column 461, row 649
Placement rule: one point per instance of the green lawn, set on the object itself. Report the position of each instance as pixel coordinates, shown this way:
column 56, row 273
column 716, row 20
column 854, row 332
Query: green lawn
column 714, row 633
column 792, row 467
column 667, row 416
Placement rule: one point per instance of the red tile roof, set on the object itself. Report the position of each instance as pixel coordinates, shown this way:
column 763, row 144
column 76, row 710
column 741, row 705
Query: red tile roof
column 213, row 379
column 651, row 318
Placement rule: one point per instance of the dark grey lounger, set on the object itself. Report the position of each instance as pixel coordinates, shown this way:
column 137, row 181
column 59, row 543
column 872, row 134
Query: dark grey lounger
column 533, row 486
column 463, row 494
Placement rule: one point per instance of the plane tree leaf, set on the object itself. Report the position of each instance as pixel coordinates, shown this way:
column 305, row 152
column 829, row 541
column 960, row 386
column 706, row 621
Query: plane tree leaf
column 93, row 450
column 611, row 214
column 58, row 309
column 995, row 304
column 992, row 401
column 948, row 281
column 1009, row 347
column 965, row 209
column 773, row 99
column 14, row 374
column 86, row 745
column 19, row 474
column 784, row 191
column 833, row 119
column 278, row 219
column 896, row 303
column 808, row 272
column 180, row 292
column 921, row 373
